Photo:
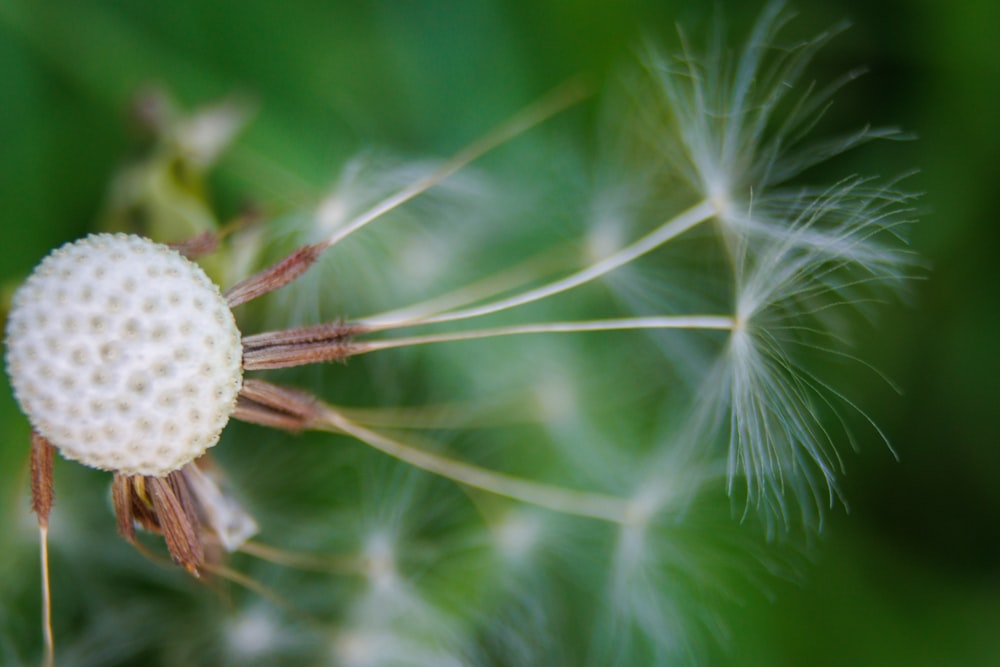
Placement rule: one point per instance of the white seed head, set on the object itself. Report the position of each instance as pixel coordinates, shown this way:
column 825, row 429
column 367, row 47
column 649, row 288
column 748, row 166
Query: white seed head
column 124, row 355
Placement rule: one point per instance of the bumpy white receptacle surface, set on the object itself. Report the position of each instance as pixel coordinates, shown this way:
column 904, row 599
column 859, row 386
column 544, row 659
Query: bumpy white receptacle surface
column 124, row 355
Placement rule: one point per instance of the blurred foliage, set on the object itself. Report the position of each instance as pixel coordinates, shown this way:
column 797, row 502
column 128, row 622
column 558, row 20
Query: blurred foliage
column 910, row 576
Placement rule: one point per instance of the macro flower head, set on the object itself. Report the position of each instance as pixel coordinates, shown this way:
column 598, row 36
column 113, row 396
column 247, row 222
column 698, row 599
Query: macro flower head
column 547, row 468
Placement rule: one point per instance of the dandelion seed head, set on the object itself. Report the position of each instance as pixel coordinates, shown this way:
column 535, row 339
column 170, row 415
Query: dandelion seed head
column 91, row 352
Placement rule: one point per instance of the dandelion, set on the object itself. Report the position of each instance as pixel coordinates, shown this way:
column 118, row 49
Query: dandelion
column 126, row 357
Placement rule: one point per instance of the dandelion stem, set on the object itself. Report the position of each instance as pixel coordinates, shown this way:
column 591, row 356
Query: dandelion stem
column 668, row 230
column 49, row 659
column 594, row 505
column 559, row 99
column 665, row 322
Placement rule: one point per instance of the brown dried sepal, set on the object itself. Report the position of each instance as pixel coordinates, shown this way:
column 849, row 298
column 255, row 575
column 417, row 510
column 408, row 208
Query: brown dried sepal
column 298, row 347
column 161, row 505
column 178, row 521
column 42, row 494
column 121, row 498
column 275, row 276
column 271, row 405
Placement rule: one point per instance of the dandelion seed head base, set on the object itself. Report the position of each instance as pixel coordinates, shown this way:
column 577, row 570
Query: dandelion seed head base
column 124, row 355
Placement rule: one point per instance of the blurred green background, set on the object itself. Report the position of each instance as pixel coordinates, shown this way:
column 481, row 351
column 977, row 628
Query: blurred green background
column 911, row 575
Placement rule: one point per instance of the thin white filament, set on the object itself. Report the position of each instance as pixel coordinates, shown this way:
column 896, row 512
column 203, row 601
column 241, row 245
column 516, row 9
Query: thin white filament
column 716, row 322
column 556, row 101
column 567, row 501
column 668, row 230
column 490, row 286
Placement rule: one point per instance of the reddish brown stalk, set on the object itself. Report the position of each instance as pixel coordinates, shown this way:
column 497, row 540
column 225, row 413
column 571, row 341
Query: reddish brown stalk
column 287, row 356
column 42, row 494
column 121, row 498
column 298, row 347
column 268, row 404
column 275, row 276
column 310, row 334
